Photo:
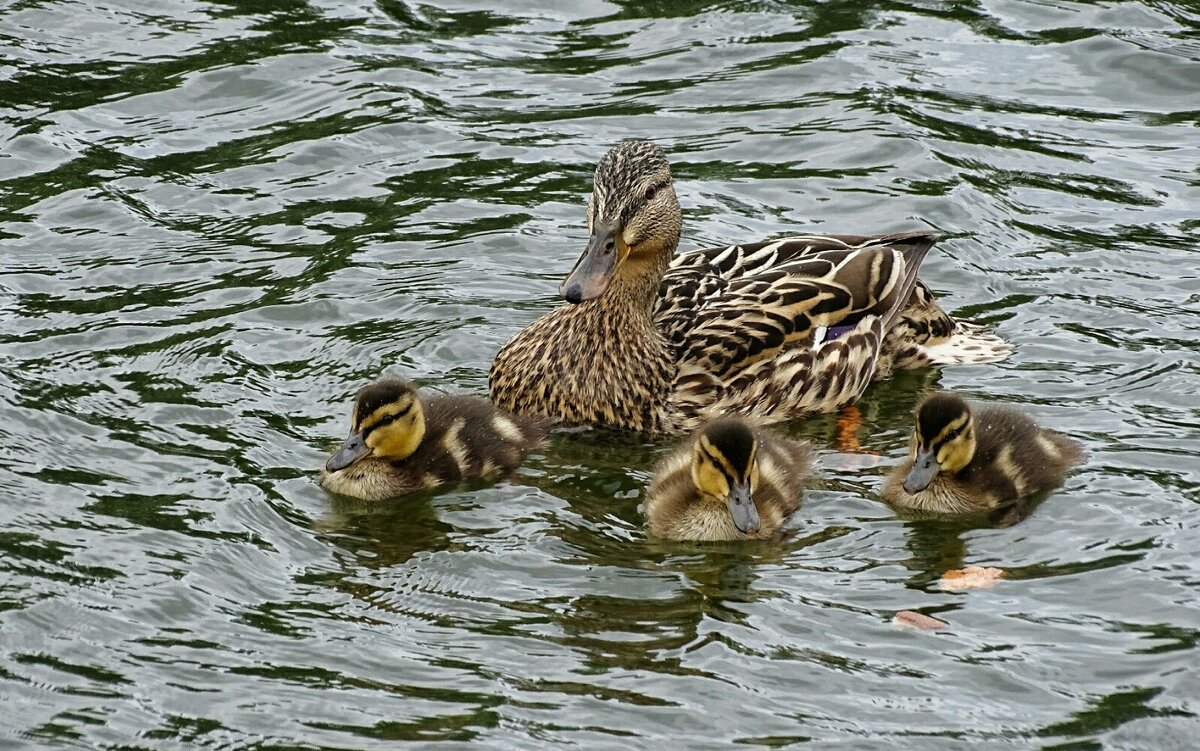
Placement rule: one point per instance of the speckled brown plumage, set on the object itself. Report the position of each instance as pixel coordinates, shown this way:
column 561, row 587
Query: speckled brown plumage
column 676, row 508
column 1012, row 457
column 465, row 437
column 776, row 330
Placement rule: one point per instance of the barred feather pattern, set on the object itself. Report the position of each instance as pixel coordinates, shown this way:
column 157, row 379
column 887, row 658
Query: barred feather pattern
column 776, row 329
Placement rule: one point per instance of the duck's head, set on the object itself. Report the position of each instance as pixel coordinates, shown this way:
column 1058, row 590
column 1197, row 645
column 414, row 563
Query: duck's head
column 725, row 470
column 943, row 441
column 633, row 216
column 388, row 422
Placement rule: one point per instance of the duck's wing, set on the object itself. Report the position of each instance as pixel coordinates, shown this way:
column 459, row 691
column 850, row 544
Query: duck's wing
column 697, row 278
column 797, row 336
column 745, row 303
column 924, row 333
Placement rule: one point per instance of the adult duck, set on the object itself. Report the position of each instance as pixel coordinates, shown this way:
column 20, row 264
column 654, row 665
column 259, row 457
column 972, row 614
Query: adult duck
column 773, row 330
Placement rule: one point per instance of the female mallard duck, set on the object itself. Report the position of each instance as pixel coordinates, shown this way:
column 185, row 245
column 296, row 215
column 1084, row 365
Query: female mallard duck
column 775, row 330
column 400, row 442
column 730, row 482
column 965, row 459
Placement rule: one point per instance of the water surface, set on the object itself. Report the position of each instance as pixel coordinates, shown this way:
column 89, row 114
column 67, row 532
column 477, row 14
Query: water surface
column 220, row 219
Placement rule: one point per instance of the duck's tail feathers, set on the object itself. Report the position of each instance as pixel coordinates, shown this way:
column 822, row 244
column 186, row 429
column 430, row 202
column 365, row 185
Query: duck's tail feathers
column 969, row 344
column 914, row 254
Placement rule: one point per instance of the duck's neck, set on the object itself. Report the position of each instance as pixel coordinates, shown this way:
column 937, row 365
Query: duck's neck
column 634, row 290
column 627, row 366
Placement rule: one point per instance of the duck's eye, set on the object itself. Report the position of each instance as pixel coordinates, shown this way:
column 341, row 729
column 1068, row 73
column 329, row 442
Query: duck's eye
column 651, row 192
column 953, row 434
column 391, row 418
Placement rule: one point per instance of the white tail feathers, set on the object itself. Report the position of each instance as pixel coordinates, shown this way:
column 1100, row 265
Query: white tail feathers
column 970, row 343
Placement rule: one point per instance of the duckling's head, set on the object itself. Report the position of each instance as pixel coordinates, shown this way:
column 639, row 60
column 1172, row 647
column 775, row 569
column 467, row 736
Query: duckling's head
column 388, row 422
column 944, row 440
column 633, row 216
column 725, row 470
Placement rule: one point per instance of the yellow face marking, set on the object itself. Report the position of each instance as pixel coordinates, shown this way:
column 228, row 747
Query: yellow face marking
column 958, row 423
column 385, row 411
column 399, row 437
column 714, row 455
column 712, row 471
column 952, row 453
column 710, row 481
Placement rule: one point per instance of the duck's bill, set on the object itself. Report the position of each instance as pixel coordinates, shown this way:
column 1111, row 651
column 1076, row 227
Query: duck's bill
column 924, row 469
column 594, row 269
column 353, row 449
column 743, row 510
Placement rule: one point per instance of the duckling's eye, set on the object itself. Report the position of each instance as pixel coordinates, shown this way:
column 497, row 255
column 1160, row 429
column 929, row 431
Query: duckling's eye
column 651, row 192
column 393, row 417
column 953, row 434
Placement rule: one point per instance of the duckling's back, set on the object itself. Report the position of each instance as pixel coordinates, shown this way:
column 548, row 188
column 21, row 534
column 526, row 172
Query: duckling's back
column 468, row 436
column 1014, row 456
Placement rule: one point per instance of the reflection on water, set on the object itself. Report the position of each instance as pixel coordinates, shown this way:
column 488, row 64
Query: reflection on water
column 220, row 220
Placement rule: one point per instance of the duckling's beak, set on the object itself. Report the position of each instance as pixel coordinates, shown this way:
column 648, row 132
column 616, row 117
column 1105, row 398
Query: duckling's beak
column 594, row 269
column 353, row 449
column 743, row 510
column 924, row 469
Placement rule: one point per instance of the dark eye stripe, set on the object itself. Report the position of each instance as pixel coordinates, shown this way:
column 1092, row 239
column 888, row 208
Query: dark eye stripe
column 725, row 467
column 388, row 420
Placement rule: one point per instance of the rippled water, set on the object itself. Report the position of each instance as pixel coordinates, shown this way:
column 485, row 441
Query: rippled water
column 218, row 220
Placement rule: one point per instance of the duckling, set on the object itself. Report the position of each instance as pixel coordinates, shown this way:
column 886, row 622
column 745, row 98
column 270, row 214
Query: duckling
column 967, row 459
column 731, row 481
column 401, row 442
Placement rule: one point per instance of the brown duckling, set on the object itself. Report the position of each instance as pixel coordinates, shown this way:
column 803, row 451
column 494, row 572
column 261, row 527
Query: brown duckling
column 730, row 481
column 966, row 459
column 401, row 442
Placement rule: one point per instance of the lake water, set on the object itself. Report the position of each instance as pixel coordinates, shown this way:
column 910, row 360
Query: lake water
column 218, row 220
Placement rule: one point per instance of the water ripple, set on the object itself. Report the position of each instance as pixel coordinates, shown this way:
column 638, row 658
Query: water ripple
column 219, row 221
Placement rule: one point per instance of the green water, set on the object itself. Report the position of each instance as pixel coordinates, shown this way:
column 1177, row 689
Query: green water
column 218, row 220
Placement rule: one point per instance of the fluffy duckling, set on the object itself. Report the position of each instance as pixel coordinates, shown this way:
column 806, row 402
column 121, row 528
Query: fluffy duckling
column 966, row 459
column 400, row 442
column 730, row 482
